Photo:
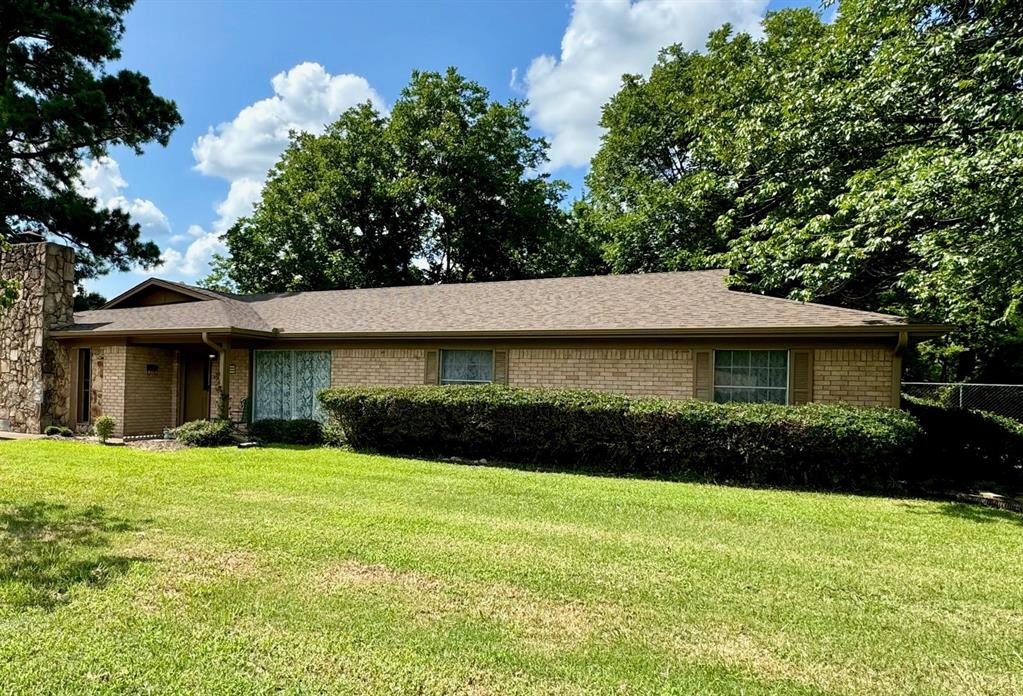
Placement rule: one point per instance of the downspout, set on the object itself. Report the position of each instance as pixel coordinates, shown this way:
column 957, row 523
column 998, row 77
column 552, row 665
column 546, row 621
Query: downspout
column 225, row 387
column 900, row 347
column 901, row 343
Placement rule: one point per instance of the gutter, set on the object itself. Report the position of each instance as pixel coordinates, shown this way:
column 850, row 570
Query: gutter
column 894, row 330
column 227, row 330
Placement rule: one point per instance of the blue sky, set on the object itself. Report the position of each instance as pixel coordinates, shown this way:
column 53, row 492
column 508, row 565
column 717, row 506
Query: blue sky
column 243, row 73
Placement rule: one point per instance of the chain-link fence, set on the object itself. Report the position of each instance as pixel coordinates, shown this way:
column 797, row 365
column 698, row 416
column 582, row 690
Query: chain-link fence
column 1003, row 399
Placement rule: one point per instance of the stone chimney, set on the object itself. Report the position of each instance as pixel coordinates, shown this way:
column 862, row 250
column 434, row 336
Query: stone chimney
column 33, row 367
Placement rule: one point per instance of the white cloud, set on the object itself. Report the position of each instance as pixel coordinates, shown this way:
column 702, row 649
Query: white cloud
column 241, row 197
column 101, row 179
column 195, row 260
column 241, row 151
column 306, row 98
column 604, row 40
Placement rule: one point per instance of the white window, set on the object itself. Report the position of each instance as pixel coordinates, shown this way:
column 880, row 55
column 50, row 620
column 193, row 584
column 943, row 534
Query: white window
column 751, row 376
column 466, row 366
column 285, row 383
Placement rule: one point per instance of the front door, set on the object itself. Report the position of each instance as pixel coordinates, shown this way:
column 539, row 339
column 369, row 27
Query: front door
column 196, row 404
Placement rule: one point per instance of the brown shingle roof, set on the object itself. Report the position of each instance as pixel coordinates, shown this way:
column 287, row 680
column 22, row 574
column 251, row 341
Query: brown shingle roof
column 688, row 302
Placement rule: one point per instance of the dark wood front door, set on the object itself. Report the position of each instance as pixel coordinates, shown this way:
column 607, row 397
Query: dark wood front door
column 196, row 404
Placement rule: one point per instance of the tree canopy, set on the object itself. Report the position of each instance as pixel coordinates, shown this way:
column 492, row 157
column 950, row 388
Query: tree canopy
column 59, row 106
column 873, row 162
column 445, row 188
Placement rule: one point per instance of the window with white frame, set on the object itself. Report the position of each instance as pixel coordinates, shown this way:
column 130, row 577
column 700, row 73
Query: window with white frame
column 751, row 376
column 466, row 366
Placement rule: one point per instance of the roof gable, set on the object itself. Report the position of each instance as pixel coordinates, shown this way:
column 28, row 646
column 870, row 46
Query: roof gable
column 155, row 292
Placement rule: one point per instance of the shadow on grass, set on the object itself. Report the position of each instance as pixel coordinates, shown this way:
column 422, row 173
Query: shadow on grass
column 979, row 513
column 47, row 549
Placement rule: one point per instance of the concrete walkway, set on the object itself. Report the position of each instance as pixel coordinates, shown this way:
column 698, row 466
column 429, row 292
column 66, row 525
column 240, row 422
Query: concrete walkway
column 7, row 435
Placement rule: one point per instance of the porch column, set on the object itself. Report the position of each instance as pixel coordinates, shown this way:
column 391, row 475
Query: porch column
column 223, row 402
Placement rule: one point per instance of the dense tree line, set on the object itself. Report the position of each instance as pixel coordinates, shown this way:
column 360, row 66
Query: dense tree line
column 444, row 188
column 874, row 162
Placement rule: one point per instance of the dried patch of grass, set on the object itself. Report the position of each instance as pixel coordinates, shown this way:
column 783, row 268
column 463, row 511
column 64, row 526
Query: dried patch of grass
column 429, row 598
column 185, row 562
column 353, row 573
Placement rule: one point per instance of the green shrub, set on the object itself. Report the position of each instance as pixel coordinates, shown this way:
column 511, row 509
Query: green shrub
column 334, row 434
column 52, row 430
column 267, row 430
column 104, row 427
column 300, row 431
column 965, row 446
column 813, row 445
column 66, row 432
column 204, row 433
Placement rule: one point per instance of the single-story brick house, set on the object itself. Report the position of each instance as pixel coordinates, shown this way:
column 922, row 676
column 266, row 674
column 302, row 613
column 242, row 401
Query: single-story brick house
column 164, row 353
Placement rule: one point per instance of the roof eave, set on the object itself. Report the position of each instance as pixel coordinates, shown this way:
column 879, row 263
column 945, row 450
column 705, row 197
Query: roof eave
column 886, row 330
column 890, row 330
column 228, row 330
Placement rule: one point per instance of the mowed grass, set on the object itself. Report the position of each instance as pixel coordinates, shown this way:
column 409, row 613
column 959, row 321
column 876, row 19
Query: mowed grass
column 310, row 571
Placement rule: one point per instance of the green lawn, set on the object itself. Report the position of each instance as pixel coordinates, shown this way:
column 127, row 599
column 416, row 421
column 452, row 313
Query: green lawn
column 230, row 571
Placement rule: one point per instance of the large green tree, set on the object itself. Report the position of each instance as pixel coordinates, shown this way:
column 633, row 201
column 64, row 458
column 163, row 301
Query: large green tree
column 447, row 187
column 873, row 162
column 333, row 214
column 58, row 106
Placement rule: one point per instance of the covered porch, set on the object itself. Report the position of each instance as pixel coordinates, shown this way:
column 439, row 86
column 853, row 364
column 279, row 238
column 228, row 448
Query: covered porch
column 152, row 383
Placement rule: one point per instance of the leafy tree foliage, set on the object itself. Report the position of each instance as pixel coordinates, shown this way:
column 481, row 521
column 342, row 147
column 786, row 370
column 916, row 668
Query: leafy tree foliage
column 88, row 300
column 873, row 162
column 443, row 189
column 332, row 215
column 57, row 106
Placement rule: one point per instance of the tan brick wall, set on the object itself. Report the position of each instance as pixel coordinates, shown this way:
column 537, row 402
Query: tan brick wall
column 377, row 367
column 238, row 384
column 861, row 376
column 150, row 399
column 108, row 382
column 664, row 372
column 857, row 375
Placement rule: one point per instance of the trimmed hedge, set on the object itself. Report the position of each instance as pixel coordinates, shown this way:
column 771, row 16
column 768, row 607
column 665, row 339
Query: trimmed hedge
column 966, row 446
column 815, row 445
column 204, row 433
column 300, row 431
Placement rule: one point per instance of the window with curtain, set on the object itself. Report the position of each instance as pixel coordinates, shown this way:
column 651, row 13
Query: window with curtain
column 466, row 366
column 285, row 383
column 751, row 376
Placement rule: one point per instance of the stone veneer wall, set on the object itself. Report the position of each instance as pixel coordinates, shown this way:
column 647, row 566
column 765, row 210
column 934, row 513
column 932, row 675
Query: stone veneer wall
column 33, row 367
column 663, row 372
column 861, row 376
